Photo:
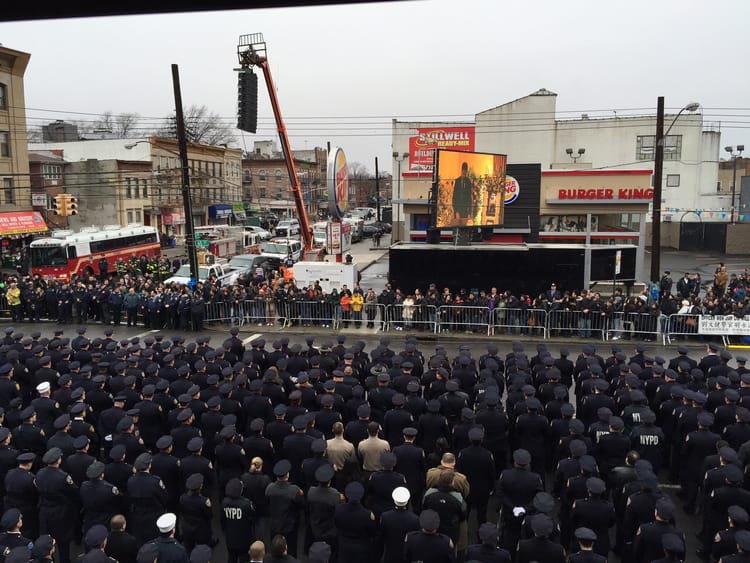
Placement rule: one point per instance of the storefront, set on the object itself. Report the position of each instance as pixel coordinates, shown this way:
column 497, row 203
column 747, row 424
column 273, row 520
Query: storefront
column 17, row 229
column 600, row 207
column 238, row 212
column 173, row 222
column 220, row 213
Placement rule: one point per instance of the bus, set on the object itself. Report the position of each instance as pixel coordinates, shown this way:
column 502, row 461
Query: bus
column 66, row 253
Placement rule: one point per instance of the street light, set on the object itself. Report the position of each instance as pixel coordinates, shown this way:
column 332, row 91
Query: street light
column 399, row 157
column 658, row 170
column 734, row 155
column 569, row 152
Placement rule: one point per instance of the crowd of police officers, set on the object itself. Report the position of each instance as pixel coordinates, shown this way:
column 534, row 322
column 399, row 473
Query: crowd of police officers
column 129, row 449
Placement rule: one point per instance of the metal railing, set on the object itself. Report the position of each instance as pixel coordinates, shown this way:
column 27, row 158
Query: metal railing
column 680, row 326
column 635, row 325
column 423, row 317
column 576, row 323
column 519, row 321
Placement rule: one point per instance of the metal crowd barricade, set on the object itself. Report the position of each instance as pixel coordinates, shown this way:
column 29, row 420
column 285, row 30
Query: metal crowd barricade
column 680, row 326
column 576, row 323
column 424, row 317
column 315, row 314
column 462, row 318
column 218, row 312
column 522, row 321
column 631, row 326
column 375, row 316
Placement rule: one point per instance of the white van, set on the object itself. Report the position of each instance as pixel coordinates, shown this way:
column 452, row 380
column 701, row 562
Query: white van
column 281, row 248
column 320, row 234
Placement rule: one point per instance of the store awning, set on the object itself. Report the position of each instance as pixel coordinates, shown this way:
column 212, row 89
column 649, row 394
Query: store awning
column 219, row 211
column 21, row 223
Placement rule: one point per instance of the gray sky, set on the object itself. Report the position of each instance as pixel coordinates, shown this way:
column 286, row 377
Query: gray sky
column 343, row 72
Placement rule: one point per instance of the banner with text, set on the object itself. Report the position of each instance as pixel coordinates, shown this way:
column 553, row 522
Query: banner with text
column 728, row 325
column 422, row 147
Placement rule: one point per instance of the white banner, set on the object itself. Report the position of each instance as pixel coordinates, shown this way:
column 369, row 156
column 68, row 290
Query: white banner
column 723, row 325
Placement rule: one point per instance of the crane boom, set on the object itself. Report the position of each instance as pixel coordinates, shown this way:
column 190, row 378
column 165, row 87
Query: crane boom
column 252, row 52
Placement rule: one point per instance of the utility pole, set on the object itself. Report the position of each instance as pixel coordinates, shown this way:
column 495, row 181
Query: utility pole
column 656, row 211
column 377, row 189
column 186, row 201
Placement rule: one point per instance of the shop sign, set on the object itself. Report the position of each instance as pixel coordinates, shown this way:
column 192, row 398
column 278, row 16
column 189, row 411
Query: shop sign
column 512, row 190
column 423, row 145
column 174, row 218
column 593, row 194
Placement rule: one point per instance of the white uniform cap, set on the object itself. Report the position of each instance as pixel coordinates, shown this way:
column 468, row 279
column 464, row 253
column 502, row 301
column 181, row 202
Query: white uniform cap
column 166, row 522
column 401, row 496
column 43, row 387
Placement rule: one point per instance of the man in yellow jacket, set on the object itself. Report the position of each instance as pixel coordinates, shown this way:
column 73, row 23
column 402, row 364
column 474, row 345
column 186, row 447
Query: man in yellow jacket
column 13, row 295
column 357, row 304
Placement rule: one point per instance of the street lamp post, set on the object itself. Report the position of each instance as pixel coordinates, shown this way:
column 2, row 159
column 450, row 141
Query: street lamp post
column 569, row 152
column 399, row 157
column 658, row 169
column 734, row 156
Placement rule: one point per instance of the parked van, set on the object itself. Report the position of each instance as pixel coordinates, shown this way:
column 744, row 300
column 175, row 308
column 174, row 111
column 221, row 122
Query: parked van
column 358, row 227
column 320, row 234
column 281, row 248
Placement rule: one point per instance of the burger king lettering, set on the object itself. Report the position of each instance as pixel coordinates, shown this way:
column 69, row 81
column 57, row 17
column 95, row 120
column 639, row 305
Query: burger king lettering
column 605, row 193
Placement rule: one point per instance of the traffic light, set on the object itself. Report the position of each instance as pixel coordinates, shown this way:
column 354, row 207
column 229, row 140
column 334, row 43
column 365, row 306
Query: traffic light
column 247, row 101
column 72, row 205
column 58, row 205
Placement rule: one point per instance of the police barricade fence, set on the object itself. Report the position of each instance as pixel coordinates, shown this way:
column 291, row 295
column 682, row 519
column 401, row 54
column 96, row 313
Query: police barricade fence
column 463, row 318
column 576, row 323
column 522, row 321
column 422, row 317
column 680, row 326
column 631, row 326
column 312, row 314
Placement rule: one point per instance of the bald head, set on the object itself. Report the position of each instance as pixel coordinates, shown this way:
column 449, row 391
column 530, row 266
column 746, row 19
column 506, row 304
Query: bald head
column 257, row 551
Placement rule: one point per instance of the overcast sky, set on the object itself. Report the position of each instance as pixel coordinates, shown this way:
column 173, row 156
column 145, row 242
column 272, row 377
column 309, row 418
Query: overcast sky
column 344, row 72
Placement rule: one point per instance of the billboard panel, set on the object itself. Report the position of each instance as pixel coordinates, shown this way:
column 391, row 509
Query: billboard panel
column 423, row 145
column 470, row 189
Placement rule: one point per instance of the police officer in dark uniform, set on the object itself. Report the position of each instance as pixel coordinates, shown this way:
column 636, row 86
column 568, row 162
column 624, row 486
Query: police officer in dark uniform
column 356, row 526
column 59, row 503
column 427, row 544
column 28, row 436
column 477, row 463
column 286, row 502
column 515, row 489
column 237, row 521
column 100, row 499
column 322, row 500
column 196, row 514
column 21, row 492
column 647, row 543
column 586, row 537
column 396, row 523
column 11, row 523
column 147, row 498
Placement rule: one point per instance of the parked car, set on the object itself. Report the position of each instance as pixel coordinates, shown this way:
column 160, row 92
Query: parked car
column 287, row 228
column 369, row 230
column 260, row 231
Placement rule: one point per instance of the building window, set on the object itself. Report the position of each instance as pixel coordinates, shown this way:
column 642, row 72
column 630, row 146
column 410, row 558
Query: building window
column 278, row 175
column 137, row 215
column 8, row 191
column 130, row 215
column 262, row 175
column 3, row 96
column 645, row 147
column 128, row 189
column 673, row 180
column 247, row 177
column 262, row 191
column 4, row 144
column 52, row 171
column 144, row 187
column 136, row 193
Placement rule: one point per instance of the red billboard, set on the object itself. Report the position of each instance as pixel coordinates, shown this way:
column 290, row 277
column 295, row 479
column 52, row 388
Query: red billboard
column 470, row 189
column 422, row 146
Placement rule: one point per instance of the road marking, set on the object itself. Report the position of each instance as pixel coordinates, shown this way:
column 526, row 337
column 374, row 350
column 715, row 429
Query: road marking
column 141, row 335
column 251, row 338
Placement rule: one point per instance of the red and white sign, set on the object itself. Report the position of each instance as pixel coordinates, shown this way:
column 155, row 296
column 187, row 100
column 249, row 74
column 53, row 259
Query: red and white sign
column 21, row 222
column 422, row 147
column 339, row 237
column 175, row 218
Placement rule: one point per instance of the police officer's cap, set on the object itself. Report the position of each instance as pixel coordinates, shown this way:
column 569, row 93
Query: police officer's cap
column 52, row 455
column 401, row 496
column 648, row 416
column 61, row 421
column 164, row 442
column 318, row 446
column 27, row 413
column 543, row 502
column 363, row 410
column 42, row 546
column 10, row 518
column 616, row 423
column 117, row 452
column 324, row 473
column 354, row 491
column 94, row 470
column 410, row 431
column 576, row 426
column 429, row 520
column 521, row 457
column 201, row 553
column 4, row 433
column 166, row 522
column 738, row 515
column 388, row 460
column 184, row 414
column 142, row 462
column 195, row 444
column 741, row 359
column 81, row 442
column 587, row 464
column 665, row 508
column 713, row 346
column 585, row 534
column 577, row 448
column 124, row 423
column 492, row 398
column 319, row 552
column 476, row 434
column 567, row 409
column 213, row 401
column 280, row 410
column 194, row 482
column 26, row 457
column 282, row 467
column 96, row 535
column 595, row 485
column 705, row 419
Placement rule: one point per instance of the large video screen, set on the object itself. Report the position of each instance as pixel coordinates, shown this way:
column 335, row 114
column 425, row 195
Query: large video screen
column 470, row 188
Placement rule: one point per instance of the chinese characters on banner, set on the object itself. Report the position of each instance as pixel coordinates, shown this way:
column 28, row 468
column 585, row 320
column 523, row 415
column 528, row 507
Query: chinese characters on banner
column 728, row 325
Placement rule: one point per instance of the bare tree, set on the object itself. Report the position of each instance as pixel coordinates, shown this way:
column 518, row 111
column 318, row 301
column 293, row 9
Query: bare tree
column 201, row 126
column 357, row 170
column 122, row 125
